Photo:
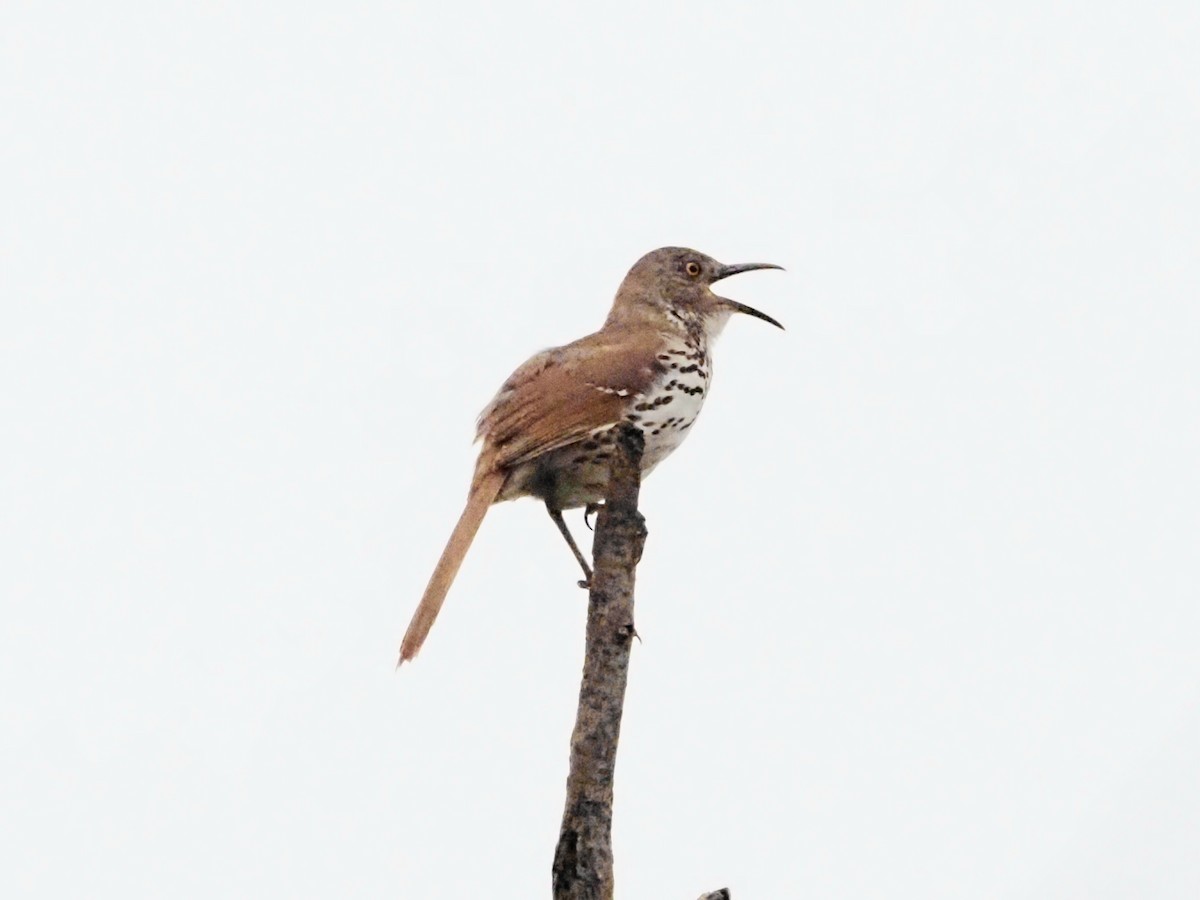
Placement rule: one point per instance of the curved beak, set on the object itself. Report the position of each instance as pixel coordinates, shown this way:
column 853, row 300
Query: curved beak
column 751, row 311
column 737, row 269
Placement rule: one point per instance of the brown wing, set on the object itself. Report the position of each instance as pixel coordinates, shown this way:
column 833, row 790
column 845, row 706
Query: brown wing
column 563, row 395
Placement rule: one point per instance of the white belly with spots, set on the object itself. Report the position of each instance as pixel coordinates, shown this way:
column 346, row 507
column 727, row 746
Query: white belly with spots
column 577, row 474
column 668, row 410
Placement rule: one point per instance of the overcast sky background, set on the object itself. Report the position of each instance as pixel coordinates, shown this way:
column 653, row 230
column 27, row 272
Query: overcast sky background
column 919, row 606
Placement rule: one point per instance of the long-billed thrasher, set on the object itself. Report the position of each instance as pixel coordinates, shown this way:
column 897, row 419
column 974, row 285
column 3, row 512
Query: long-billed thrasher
column 546, row 432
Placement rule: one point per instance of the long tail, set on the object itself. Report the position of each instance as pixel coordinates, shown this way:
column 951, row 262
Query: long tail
column 483, row 494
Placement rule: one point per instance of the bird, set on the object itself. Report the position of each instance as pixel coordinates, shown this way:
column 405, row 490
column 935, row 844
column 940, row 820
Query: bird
column 547, row 433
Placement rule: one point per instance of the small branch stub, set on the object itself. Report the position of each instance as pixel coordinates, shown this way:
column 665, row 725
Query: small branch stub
column 583, row 861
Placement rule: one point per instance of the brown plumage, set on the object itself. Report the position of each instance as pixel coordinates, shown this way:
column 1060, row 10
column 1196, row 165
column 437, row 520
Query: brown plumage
column 562, row 396
column 544, row 433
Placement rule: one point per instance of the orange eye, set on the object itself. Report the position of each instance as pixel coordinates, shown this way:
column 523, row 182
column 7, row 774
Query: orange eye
column 692, row 268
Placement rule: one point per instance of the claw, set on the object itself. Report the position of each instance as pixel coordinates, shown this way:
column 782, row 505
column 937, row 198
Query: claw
column 590, row 510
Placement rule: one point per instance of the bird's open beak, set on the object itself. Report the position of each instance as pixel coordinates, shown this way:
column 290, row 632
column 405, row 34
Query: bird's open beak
column 726, row 271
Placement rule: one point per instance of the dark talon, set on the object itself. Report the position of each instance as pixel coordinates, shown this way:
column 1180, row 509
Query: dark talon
column 590, row 510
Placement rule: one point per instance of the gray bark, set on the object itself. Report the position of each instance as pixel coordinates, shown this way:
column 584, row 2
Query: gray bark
column 583, row 859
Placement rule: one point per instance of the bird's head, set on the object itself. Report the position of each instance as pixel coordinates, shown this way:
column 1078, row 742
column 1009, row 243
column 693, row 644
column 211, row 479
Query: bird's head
column 677, row 282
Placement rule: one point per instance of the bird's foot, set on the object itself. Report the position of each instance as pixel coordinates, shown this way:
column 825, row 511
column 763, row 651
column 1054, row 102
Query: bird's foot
column 590, row 510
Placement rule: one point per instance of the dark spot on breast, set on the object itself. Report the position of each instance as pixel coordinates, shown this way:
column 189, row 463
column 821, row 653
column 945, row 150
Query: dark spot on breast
column 591, row 445
column 633, row 417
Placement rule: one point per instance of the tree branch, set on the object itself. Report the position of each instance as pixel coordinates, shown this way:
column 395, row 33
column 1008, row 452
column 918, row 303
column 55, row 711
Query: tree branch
column 583, row 859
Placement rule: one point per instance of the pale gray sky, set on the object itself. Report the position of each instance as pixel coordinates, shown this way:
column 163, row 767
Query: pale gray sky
column 919, row 605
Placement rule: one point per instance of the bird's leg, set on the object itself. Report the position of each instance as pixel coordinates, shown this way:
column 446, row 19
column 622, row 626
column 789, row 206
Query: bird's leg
column 590, row 510
column 557, row 516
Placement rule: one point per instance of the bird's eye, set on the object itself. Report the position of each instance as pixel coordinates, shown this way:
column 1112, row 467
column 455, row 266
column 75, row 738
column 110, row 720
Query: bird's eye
column 692, row 268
